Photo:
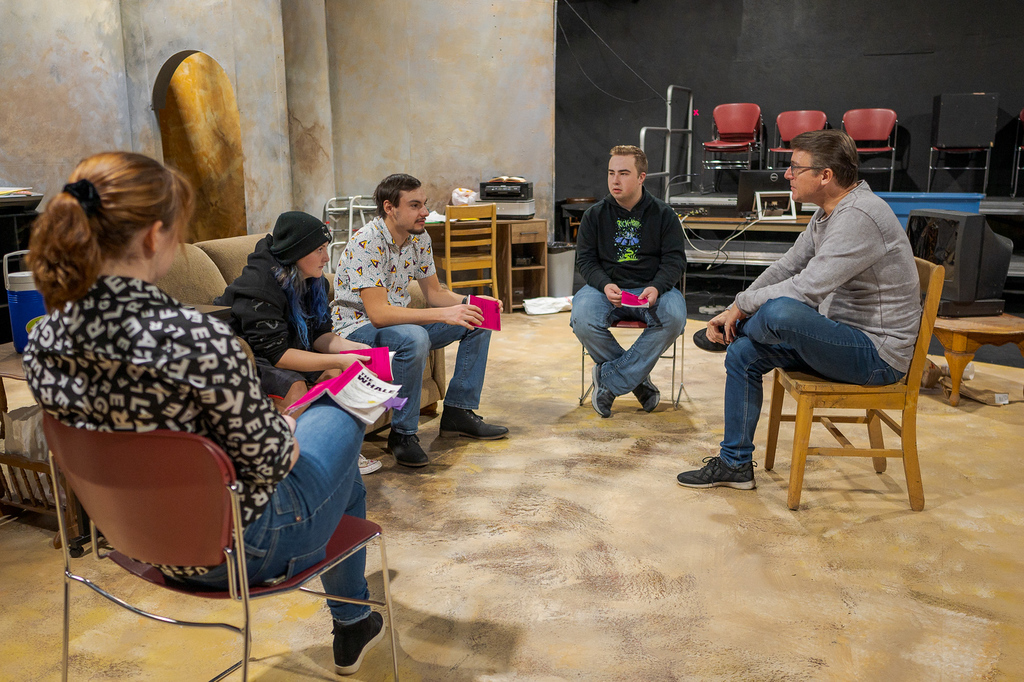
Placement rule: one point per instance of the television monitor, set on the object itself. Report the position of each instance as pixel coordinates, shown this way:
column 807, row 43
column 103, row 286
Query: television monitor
column 976, row 259
column 752, row 181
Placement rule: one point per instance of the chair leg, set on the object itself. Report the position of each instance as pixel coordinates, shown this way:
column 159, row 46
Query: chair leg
column 584, row 391
column 387, row 605
column 876, row 440
column 892, row 167
column 672, row 385
column 801, row 437
column 988, row 159
column 931, row 171
column 1016, row 171
column 682, row 357
column 67, row 623
column 774, row 417
column 911, row 465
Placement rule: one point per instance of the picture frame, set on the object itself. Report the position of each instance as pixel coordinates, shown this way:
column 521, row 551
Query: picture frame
column 775, row 206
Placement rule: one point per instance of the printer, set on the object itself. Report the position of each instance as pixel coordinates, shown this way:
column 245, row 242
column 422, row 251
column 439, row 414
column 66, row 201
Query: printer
column 511, row 195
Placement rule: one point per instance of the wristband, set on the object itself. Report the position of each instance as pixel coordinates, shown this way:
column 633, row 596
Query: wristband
column 465, row 301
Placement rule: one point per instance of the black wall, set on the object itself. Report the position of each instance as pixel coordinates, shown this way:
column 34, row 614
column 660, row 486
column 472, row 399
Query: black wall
column 789, row 54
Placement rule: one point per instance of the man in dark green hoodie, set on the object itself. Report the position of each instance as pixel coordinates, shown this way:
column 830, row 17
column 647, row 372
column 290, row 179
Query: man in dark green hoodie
column 628, row 242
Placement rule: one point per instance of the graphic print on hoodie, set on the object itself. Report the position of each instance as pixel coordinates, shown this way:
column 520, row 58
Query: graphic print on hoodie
column 627, row 239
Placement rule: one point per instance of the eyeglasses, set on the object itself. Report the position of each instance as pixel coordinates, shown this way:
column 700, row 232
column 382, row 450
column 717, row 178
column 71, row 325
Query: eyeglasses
column 794, row 169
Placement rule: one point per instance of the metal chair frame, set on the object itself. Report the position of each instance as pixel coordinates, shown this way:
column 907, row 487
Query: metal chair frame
column 640, row 326
column 754, row 144
column 1017, row 149
column 935, row 154
column 238, row 583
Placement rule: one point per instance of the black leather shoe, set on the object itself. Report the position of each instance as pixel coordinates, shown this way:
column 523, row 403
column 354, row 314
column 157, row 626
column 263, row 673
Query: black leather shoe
column 648, row 395
column 406, row 449
column 456, row 421
column 351, row 642
column 701, row 340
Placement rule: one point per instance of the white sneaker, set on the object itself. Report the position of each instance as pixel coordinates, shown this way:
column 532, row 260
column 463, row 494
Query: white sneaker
column 368, row 466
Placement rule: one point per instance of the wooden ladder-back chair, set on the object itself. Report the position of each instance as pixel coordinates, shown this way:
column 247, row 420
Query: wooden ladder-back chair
column 812, row 392
column 471, row 245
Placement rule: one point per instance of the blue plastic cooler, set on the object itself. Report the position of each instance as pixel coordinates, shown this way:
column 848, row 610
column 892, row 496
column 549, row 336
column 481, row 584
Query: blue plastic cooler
column 24, row 301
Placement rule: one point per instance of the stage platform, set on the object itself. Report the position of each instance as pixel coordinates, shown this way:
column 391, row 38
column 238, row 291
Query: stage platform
column 1001, row 206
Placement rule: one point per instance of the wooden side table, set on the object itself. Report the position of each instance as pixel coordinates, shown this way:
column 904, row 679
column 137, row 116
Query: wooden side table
column 962, row 336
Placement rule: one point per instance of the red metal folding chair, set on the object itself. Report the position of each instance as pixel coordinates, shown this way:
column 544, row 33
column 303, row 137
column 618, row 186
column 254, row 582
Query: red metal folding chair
column 874, row 132
column 788, row 125
column 134, row 486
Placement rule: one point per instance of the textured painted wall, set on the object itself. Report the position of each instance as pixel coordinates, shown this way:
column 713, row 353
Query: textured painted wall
column 77, row 78
column 309, row 104
column 62, row 85
column 451, row 92
column 245, row 37
column 201, row 137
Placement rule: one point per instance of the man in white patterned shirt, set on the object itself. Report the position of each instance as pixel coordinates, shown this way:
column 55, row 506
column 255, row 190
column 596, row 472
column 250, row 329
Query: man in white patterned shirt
column 371, row 289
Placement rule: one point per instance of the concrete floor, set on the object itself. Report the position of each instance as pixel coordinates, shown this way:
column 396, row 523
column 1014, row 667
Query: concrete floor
column 568, row 552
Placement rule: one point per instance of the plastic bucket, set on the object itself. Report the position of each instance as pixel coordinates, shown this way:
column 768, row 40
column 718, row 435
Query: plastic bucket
column 24, row 302
column 561, row 266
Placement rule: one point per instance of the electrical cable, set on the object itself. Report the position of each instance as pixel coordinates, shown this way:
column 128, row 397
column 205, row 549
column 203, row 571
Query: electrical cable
column 631, row 70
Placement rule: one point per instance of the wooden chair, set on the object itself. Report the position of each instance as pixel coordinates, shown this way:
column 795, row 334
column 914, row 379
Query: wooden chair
column 470, row 246
column 813, row 392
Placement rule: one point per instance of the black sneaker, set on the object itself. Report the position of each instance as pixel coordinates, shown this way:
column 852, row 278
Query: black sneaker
column 601, row 398
column 716, row 474
column 648, row 395
column 351, row 642
column 406, row 449
column 701, row 340
column 455, row 421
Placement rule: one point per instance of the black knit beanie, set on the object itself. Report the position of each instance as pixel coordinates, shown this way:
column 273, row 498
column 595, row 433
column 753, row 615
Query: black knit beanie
column 297, row 234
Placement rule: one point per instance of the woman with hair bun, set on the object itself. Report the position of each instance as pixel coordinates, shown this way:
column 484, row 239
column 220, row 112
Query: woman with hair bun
column 95, row 254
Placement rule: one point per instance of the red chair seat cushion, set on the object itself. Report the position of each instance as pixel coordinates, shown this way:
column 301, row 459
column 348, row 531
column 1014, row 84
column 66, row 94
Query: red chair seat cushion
column 873, row 150
column 725, row 146
column 351, row 533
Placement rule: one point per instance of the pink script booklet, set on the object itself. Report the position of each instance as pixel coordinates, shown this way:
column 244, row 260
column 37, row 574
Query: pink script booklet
column 379, row 362
column 356, row 391
column 633, row 301
column 492, row 318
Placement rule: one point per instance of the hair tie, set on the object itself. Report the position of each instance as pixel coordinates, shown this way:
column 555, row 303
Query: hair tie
column 86, row 194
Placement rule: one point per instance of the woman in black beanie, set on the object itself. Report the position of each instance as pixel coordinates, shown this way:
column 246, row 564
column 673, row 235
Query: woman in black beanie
column 279, row 305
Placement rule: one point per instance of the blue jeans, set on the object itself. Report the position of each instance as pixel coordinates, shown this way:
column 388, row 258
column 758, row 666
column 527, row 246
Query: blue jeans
column 411, row 343
column 789, row 334
column 292, row 532
column 624, row 370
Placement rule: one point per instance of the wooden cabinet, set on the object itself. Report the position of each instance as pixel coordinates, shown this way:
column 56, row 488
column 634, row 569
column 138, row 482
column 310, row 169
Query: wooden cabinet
column 522, row 262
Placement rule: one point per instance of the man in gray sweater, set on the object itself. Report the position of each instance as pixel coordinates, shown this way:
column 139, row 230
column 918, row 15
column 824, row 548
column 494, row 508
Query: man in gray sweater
column 844, row 302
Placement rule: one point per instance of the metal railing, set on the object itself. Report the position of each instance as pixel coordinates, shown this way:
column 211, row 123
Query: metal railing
column 668, row 131
column 336, row 210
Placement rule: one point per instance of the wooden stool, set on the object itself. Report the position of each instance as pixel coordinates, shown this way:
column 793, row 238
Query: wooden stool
column 962, row 336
